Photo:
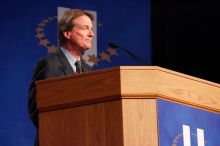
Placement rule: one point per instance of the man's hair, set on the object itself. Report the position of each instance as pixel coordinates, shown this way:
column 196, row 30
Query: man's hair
column 66, row 22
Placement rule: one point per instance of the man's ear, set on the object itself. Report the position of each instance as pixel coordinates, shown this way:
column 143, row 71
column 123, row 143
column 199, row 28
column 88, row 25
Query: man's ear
column 66, row 34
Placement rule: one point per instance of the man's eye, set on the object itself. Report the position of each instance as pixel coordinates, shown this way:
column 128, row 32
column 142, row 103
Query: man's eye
column 84, row 28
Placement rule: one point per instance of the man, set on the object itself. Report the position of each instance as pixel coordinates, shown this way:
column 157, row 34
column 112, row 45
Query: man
column 75, row 36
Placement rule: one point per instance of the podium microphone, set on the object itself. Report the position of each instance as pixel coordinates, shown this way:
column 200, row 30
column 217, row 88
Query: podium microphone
column 134, row 56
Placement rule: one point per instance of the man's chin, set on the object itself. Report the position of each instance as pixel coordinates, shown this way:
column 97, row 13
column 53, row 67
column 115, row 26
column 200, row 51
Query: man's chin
column 84, row 49
column 87, row 47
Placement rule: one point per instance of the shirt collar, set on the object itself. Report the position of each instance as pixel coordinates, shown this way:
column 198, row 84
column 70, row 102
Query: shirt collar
column 72, row 60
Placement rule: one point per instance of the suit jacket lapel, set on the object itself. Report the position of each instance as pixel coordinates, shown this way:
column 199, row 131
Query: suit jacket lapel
column 85, row 67
column 66, row 67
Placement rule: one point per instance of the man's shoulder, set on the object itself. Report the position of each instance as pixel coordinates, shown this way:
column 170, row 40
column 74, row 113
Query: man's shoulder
column 49, row 66
column 50, row 60
column 50, row 57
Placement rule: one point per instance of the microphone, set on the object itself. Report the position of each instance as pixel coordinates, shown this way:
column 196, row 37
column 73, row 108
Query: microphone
column 134, row 56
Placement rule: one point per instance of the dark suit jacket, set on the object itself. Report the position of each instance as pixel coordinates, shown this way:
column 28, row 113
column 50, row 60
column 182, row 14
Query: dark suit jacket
column 54, row 65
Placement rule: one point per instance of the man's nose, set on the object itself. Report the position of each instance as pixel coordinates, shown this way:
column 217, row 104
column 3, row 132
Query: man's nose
column 91, row 33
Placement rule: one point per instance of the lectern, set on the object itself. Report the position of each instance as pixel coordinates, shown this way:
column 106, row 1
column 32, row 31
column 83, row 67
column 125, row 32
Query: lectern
column 116, row 106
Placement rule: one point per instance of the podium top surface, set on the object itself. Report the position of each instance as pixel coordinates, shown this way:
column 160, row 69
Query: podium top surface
column 127, row 82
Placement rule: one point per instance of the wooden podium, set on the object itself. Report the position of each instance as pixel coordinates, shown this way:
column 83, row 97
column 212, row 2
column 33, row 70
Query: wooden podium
column 115, row 106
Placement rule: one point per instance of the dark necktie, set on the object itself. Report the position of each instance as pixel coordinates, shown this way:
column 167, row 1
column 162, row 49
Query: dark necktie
column 78, row 66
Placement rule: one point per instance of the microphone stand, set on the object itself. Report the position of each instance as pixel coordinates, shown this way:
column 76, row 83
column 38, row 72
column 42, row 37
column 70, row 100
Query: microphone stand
column 134, row 56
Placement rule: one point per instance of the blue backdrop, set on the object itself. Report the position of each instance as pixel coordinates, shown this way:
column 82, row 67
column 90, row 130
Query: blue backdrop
column 125, row 22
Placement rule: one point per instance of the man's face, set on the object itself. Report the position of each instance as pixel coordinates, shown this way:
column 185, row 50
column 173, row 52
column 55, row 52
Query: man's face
column 80, row 37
